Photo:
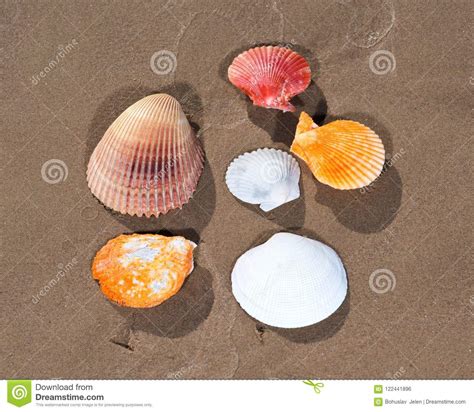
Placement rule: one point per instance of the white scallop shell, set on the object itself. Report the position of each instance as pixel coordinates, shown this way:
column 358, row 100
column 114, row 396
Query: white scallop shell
column 267, row 177
column 289, row 281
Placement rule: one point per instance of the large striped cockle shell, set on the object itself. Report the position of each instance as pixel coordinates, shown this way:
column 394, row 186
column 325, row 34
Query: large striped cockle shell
column 270, row 76
column 149, row 160
column 267, row 177
column 342, row 154
column 289, row 281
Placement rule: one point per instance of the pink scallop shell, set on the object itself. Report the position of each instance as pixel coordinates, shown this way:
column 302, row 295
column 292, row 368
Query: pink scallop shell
column 270, row 76
column 149, row 160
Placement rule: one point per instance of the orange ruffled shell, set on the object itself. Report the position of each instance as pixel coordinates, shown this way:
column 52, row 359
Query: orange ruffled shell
column 270, row 76
column 142, row 271
column 342, row 154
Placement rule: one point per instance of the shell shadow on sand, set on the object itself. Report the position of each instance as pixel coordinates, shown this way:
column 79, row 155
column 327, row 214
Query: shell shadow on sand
column 280, row 125
column 177, row 316
column 289, row 214
column 185, row 311
column 372, row 208
column 322, row 330
column 367, row 210
column 198, row 211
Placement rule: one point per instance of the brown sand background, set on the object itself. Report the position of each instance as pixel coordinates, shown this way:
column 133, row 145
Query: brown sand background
column 413, row 222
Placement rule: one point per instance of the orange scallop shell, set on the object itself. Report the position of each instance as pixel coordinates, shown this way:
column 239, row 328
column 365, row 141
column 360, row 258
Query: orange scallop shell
column 142, row 271
column 342, row 154
column 270, row 76
column 149, row 160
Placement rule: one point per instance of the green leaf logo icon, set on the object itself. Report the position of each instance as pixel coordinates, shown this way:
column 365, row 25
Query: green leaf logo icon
column 19, row 392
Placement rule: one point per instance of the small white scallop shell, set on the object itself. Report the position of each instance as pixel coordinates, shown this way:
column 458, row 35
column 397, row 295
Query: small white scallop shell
column 289, row 281
column 266, row 177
